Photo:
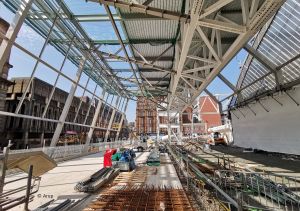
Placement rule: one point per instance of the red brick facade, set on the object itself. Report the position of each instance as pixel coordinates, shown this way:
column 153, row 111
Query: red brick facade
column 146, row 117
column 209, row 112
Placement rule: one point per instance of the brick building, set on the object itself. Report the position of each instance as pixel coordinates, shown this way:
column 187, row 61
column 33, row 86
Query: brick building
column 209, row 112
column 206, row 115
column 4, row 83
column 146, row 116
column 30, row 132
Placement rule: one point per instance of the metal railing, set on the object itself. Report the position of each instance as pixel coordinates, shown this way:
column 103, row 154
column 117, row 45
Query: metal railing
column 68, row 151
column 260, row 190
column 13, row 197
column 187, row 166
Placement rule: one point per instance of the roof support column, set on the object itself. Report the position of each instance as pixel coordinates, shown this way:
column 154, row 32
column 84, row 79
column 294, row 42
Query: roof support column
column 157, row 123
column 90, row 105
column 103, row 110
column 108, row 110
column 81, row 99
column 111, row 120
column 96, row 115
column 180, row 126
column 169, row 126
column 67, row 106
column 13, row 31
column 188, row 36
column 122, row 119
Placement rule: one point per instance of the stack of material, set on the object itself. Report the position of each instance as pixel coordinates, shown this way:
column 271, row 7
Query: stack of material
column 141, row 198
column 126, row 161
column 192, row 146
column 41, row 162
column 136, row 177
column 96, row 180
column 154, row 158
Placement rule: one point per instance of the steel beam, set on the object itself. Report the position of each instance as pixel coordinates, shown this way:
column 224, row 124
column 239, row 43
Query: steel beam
column 187, row 39
column 94, row 121
column 35, row 67
column 228, row 83
column 122, row 119
column 56, row 80
column 160, row 57
column 209, row 44
column 90, row 105
column 145, row 9
column 81, row 100
column 201, row 68
column 265, row 62
column 214, row 7
column 288, row 62
column 111, row 121
column 67, row 106
column 147, row 2
column 107, row 9
column 138, row 62
column 267, row 9
column 97, row 17
column 13, row 31
column 201, row 59
column 195, row 78
column 223, row 26
column 4, row 113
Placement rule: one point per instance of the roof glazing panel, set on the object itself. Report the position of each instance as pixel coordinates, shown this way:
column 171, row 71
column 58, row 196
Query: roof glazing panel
column 280, row 46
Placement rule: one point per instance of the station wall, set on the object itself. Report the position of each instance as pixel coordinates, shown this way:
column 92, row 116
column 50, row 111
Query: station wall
column 277, row 130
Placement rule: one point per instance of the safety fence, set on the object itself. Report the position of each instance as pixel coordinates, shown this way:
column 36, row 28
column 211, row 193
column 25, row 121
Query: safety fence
column 263, row 191
column 69, row 151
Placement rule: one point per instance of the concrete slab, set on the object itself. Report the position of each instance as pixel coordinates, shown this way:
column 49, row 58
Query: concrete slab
column 59, row 182
column 163, row 175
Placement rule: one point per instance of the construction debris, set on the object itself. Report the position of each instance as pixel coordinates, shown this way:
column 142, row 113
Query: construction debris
column 96, row 180
column 192, row 146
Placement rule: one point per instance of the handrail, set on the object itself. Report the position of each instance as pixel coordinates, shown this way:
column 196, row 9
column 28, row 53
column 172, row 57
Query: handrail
column 66, row 151
column 204, row 178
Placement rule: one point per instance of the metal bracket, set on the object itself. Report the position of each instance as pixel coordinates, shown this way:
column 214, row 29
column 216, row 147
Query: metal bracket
column 251, row 110
column 276, row 100
column 241, row 112
column 293, row 99
column 234, row 114
column 263, row 106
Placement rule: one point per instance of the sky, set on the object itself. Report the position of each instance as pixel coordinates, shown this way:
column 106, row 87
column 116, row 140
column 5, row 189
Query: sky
column 24, row 64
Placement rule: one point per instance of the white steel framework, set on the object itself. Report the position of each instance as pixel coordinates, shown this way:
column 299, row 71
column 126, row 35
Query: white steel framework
column 174, row 49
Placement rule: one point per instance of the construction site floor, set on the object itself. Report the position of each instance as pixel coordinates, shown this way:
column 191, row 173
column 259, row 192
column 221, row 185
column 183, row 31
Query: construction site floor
column 145, row 188
column 273, row 163
column 59, row 182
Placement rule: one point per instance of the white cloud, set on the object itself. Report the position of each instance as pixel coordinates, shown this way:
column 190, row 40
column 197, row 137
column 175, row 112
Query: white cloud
column 29, row 39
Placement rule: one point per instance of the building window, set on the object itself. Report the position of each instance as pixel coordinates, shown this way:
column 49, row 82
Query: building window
column 21, row 119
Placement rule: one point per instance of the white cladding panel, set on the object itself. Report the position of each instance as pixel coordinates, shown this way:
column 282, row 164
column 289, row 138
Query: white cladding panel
column 276, row 131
